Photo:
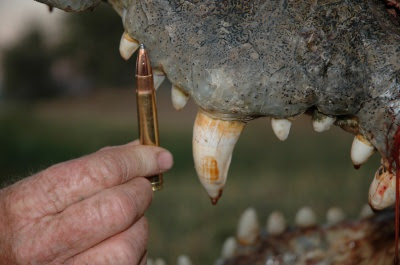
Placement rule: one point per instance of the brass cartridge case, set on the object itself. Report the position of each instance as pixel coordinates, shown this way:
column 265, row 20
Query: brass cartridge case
column 147, row 108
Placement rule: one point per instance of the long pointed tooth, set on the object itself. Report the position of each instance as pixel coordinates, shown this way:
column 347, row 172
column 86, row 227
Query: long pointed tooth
column 281, row 128
column 179, row 98
column 366, row 211
column 305, row 217
column 184, row 260
column 159, row 77
column 322, row 122
column 361, row 150
column 229, row 248
column 382, row 192
column 248, row 227
column 276, row 223
column 213, row 144
column 335, row 215
column 127, row 46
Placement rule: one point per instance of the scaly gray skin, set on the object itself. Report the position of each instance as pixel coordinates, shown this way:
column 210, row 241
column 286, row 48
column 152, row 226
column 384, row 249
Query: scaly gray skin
column 362, row 242
column 240, row 60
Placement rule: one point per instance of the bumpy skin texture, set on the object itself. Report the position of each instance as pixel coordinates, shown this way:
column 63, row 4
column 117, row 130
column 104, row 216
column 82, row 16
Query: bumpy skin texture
column 362, row 242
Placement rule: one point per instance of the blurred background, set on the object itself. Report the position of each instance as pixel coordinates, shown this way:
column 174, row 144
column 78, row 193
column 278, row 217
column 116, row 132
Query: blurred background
column 66, row 92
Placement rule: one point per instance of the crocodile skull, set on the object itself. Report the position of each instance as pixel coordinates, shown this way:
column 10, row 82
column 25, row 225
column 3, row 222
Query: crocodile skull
column 336, row 60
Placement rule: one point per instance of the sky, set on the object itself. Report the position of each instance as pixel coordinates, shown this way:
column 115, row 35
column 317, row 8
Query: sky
column 16, row 15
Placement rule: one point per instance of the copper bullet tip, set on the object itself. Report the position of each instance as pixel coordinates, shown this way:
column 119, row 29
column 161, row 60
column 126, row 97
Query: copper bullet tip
column 143, row 66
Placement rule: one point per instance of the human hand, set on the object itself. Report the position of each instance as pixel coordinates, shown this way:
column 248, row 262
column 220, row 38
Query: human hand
column 84, row 211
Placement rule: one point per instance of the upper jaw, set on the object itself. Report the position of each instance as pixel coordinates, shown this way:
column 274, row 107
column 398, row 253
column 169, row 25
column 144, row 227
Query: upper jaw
column 233, row 84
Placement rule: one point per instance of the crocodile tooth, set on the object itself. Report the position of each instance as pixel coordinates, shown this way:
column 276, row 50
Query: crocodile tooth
column 184, row 260
column 305, row 217
column 335, row 215
column 322, row 122
column 366, row 211
column 281, row 128
column 382, row 192
column 229, row 248
column 127, row 46
column 160, row 261
column 248, row 227
column 158, row 77
column 276, row 223
column 213, row 144
column 179, row 98
column 361, row 150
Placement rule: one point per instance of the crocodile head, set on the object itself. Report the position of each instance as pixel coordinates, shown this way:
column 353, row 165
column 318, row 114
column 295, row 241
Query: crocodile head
column 338, row 61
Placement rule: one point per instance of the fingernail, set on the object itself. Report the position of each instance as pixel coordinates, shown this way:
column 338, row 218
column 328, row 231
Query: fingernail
column 165, row 160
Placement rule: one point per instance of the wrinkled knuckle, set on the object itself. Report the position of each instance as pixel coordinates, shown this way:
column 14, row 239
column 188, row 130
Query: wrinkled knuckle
column 110, row 164
column 105, row 168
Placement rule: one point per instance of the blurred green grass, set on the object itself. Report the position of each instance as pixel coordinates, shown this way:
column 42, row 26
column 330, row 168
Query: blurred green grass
column 309, row 168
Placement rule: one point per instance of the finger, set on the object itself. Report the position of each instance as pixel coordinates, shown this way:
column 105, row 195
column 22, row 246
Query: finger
column 136, row 142
column 57, row 187
column 128, row 247
column 87, row 223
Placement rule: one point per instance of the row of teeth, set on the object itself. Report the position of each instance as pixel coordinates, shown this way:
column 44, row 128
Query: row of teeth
column 248, row 230
column 214, row 140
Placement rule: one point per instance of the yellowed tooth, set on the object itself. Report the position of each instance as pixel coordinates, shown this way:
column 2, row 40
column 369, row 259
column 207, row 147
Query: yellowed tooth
column 281, row 128
column 335, row 215
column 127, row 46
column 382, row 192
column 213, row 144
column 184, row 260
column 160, row 261
column 305, row 217
column 276, row 223
column 248, row 227
column 361, row 150
column 179, row 98
column 322, row 122
column 229, row 248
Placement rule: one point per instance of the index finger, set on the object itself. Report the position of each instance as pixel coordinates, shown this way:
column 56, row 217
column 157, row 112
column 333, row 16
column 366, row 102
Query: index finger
column 61, row 185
